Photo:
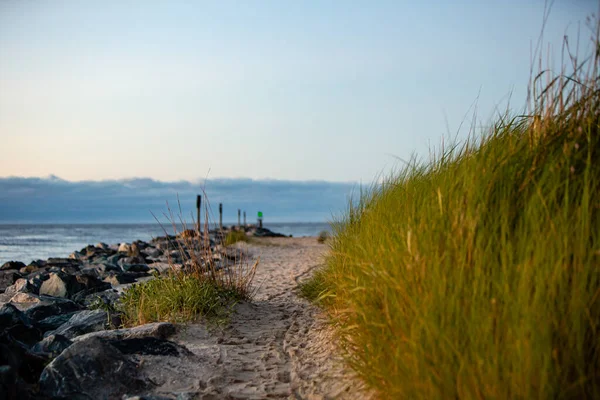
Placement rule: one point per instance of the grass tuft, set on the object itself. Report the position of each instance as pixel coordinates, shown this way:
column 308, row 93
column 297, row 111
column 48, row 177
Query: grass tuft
column 478, row 275
column 235, row 236
column 204, row 285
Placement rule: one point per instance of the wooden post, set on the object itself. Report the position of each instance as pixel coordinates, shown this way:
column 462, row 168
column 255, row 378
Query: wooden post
column 239, row 218
column 244, row 218
column 198, row 204
column 221, row 216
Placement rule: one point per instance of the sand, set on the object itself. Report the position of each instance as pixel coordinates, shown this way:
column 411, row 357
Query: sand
column 278, row 346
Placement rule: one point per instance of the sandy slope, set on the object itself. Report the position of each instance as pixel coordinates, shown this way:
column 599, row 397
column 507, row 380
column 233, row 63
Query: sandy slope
column 278, row 346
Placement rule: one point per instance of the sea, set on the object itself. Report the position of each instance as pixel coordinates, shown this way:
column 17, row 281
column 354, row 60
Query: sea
column 27, row 242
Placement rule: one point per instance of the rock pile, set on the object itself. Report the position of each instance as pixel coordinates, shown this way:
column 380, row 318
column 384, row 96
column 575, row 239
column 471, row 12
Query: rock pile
column 55, row 318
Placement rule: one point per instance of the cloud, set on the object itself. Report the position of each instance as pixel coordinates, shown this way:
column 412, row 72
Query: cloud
column 55, row 200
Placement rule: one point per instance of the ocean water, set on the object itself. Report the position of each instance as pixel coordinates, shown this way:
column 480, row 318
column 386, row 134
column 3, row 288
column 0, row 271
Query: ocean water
column 32, row 242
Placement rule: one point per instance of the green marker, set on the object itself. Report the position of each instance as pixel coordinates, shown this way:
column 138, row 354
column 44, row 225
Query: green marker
column 260, row 214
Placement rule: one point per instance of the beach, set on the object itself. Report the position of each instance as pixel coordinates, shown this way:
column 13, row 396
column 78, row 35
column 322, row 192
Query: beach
column 278, row 345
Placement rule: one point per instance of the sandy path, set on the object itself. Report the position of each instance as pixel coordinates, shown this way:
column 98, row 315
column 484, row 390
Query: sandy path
column 278, row 346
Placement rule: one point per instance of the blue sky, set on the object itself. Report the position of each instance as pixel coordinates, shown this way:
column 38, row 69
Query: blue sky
column 102, row 92
column 264, row 89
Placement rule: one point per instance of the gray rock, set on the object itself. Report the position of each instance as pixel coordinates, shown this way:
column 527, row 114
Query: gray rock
column 114, row 259
column 54, row 321
column 52, row 345
column 82, row 322
column 152, row 252
column 51, row 306
column 12, row 265
column 159, row 330
column 91, row 369
column 135, row 267
column 11, row 316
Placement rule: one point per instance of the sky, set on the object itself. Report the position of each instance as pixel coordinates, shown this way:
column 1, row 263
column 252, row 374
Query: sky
column 298, row 92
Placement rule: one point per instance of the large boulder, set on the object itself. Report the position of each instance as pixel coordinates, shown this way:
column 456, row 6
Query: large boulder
column 91, row 369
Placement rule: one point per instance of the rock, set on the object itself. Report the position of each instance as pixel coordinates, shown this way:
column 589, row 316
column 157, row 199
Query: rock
column 124, row 248
column 52, row 345
column 13, row 353
column 102, row 246
column 51, row 306
column 12, row 265
column 11, row 316
column 9, row 388
column 132, row 260
column 36, row 280
column 108, row 297
column 54, row 322
column 20, row 286
column 114, row 259
column 16, row 324
column 28, row 298
column 54, row 286
column 28, row 269
column 82, row 322
column 150, row 346
column 90, row 369
column 134, row 250
column 152, row 252
column 119, row 279
column 63, row 285
column 76, row 255
column 8, row 278
column 135, row 267
column 159, row 330
column 37, row 263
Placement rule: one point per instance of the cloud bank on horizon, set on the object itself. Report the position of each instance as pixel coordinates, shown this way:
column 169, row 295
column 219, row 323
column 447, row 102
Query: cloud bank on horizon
column 54, row 200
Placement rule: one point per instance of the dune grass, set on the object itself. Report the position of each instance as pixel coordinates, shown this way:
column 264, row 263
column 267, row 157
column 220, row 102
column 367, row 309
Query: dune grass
column 477, row 275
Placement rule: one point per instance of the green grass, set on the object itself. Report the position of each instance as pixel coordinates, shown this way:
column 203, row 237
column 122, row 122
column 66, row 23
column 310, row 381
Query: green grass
column 176, row 298
column 315, row 288
column 478, row 275
column 199, row 286
column 234, row 237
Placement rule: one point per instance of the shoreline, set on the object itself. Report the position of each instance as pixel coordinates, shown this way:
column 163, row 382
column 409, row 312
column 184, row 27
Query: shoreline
column 277, row 345
column 29, row 242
